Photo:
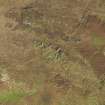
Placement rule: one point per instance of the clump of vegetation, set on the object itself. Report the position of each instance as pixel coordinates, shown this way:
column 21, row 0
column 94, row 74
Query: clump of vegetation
column 52, row 54
column 48, row 51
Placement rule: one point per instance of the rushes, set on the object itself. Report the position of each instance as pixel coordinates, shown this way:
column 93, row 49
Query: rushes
column 49, row 51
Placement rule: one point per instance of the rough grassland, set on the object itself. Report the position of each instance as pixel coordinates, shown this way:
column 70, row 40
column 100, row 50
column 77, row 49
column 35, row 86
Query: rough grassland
column 52, row 52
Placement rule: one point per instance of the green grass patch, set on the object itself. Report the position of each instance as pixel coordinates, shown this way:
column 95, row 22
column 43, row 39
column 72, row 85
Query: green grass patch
column 97, row 40
column 13, row 95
